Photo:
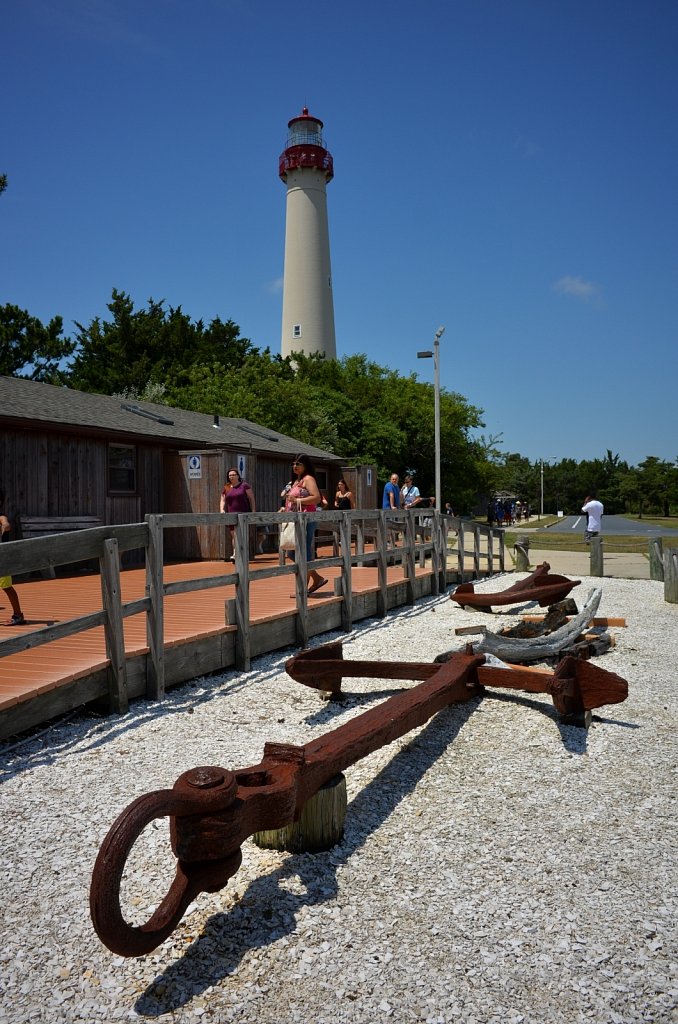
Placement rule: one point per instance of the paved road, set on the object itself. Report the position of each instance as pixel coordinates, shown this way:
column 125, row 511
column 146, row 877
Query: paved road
column 613, row 526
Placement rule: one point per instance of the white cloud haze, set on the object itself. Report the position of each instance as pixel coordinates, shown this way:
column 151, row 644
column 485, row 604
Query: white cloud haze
column 578, row 287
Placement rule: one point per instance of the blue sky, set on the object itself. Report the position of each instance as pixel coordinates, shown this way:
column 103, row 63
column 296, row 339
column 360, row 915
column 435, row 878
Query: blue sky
column 506, row 168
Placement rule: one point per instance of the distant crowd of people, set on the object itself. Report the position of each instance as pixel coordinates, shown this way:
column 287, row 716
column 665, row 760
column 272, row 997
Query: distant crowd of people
column 507, row 512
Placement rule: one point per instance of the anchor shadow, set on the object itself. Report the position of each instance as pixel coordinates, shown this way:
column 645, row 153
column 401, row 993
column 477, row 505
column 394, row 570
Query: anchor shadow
column 267, row 911
column 331, row 709
column 574, row 735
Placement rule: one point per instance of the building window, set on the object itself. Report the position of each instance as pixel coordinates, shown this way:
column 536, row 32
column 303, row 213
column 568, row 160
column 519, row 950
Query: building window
column 296, row 331
column 122, row 469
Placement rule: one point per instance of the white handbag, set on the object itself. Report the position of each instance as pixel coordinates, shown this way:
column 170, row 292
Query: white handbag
column 287, row 536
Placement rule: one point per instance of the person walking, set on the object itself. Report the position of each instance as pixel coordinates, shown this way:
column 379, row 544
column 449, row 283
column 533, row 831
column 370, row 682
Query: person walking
column 593, row 509
column 343, row 499
column 17, row 617
column 236, row 496
column 304, row 496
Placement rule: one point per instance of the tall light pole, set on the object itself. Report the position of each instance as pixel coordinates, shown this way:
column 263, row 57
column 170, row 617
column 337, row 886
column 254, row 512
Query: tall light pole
column 436, row 404
column 541, row 503
column 541, row 466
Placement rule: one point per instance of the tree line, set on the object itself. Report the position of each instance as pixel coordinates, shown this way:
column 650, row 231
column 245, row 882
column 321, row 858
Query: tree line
column 352, row 406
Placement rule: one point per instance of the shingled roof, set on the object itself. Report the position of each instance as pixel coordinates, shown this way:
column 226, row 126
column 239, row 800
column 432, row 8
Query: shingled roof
column 26, row 403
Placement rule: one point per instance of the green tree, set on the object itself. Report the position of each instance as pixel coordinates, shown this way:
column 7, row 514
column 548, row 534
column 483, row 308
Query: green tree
column 658, row 485
column 152, row 345
column 352, row 406
column 30, row 349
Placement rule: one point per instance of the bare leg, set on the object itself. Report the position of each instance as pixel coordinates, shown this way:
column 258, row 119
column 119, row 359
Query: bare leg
column 13, row 598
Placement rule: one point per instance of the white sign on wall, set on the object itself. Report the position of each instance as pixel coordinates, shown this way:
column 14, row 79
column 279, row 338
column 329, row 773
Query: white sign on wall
column 241, row 463
column 194, row 467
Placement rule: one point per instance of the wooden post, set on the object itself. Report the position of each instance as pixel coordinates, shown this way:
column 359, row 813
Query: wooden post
column 476, row 550
column 522, row 549
column 109, row 564
column 320, row 825
column 360, row 541
column 300, row 578
column 242, row 595
column 382, row 578
column 435, row 553
column 346, row 586
column 502, row 549
column 671, row 575
column 461, row 543
column 656, row 555
column 596, row 556
column 410, row 565
column 155, row 629
column 441, row 535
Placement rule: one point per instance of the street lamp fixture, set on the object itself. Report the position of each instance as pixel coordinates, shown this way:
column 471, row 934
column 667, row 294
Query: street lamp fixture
column 435, row 355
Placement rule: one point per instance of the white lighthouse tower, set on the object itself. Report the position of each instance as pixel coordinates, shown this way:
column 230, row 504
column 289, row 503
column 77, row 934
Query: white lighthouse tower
column 308, row 308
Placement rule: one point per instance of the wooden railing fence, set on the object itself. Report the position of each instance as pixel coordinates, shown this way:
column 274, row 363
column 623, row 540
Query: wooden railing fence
column 379, row 539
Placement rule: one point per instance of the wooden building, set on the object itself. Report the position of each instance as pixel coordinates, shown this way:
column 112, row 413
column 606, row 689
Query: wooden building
column 66, row 453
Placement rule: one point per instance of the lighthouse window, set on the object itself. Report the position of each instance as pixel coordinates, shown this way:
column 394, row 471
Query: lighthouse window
column 296, row 331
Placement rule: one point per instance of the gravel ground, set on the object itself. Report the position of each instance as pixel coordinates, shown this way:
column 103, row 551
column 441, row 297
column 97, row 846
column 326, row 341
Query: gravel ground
column 497, row 866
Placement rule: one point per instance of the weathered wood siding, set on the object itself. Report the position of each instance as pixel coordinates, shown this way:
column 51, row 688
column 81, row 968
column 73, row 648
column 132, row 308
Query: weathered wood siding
column 59, row 474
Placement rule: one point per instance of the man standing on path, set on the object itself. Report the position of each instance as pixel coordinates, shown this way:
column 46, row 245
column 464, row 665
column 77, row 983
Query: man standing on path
column 391, row 498
column 391, row 502
column 593, row 509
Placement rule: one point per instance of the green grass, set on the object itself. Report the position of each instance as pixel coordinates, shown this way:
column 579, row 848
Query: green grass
column 633, row 543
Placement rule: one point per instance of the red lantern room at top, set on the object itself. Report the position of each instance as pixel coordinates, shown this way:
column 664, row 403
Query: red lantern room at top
column 305, row 147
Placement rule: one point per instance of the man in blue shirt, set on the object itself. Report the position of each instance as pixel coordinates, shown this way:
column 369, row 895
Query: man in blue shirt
column 391, row 498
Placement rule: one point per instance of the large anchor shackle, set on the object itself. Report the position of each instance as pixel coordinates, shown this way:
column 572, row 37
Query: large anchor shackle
column 196, row 794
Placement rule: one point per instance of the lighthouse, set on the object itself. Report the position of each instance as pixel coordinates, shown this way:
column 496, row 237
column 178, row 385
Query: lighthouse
column 308, row 308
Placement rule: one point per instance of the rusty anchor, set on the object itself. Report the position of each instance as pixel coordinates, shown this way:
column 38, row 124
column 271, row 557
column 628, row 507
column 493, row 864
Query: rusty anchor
column 575, row 686
column 541, row 585
column 213, row 810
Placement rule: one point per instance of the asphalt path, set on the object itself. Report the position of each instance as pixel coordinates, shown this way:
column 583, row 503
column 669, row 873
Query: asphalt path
column 613, row 526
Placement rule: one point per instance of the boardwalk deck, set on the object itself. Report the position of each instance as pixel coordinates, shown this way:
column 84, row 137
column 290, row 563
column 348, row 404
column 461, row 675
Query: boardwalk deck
column 39, row 683
column 164, row 625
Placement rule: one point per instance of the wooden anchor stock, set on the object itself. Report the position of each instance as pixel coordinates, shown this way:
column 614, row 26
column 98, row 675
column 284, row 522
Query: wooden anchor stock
column 213, row 810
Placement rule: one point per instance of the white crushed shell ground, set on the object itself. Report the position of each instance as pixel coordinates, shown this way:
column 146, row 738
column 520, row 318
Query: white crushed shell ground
column 497, row 867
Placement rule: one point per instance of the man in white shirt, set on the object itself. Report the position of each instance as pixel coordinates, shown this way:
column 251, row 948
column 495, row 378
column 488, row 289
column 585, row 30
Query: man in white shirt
column 594, row 514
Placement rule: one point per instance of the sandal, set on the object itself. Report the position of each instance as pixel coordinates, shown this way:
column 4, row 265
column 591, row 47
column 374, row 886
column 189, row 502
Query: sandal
column 16, row 620
column 316, row 586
